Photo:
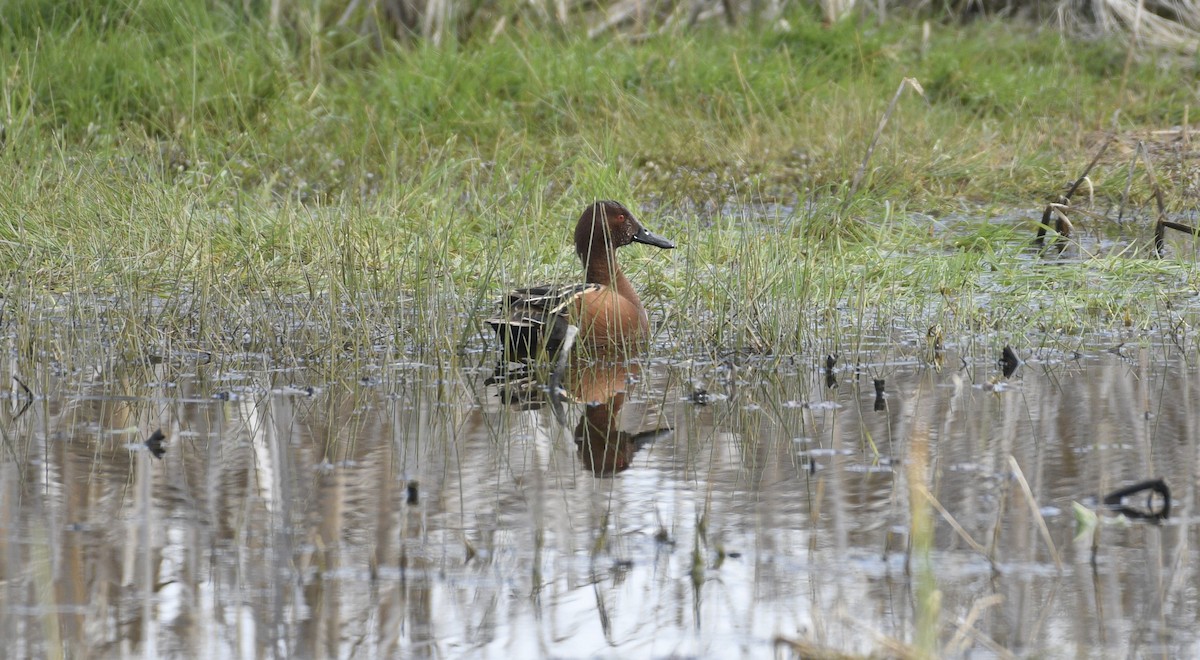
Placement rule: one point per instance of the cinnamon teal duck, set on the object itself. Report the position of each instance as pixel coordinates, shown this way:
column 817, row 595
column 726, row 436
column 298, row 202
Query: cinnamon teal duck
column 604, row 311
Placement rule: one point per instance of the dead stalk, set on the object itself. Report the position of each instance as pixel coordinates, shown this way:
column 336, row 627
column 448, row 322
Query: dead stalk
column 1088, row 170
column 862, row 168
column 1057, row 210
column 1037, row 514
column 1161, row 224
column 962, row 533
column 958, row 645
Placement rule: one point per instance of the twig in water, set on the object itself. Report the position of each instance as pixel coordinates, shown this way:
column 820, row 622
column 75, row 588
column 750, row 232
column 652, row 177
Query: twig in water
column 1178, row 226
column 1037, row 514
column 1161, row 224
column 1062, row 227
column 1062, row 224
column 962, row 533
column 1087, row 170
column 1043, row 227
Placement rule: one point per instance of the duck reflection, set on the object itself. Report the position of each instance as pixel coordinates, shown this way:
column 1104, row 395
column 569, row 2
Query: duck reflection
column 603, row 447
column 603, row 388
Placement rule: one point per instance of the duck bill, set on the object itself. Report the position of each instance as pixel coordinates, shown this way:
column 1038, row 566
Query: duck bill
column 650, row 238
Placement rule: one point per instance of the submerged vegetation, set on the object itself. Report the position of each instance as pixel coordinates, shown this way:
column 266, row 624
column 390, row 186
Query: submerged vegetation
column 198, row 168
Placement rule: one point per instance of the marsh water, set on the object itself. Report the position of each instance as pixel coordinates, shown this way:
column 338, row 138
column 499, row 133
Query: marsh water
column 740, row 507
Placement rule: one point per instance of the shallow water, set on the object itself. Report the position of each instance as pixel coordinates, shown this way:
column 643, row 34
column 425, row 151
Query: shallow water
column 701, row 510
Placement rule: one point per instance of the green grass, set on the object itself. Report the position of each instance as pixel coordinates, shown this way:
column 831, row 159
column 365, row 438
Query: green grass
column 164, row 148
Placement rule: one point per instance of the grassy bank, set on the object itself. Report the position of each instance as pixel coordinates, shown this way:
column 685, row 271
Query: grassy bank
column 172, row 148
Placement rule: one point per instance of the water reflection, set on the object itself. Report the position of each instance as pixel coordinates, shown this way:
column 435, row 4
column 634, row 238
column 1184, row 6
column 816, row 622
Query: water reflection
column 604, row 447
column 281, row 520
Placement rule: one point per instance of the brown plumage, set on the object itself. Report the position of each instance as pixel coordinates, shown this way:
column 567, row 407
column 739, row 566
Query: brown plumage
column 605, row 308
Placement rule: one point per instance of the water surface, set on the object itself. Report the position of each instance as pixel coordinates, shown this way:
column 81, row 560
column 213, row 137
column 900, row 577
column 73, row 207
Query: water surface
column 692, row 509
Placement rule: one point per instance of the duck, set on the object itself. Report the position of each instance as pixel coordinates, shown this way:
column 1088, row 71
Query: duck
column 603, row 312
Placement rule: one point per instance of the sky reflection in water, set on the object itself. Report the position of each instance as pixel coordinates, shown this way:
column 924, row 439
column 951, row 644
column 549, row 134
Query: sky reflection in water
column 695, row 510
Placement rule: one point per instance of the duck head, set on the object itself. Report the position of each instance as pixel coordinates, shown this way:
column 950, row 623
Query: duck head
column 606, row 226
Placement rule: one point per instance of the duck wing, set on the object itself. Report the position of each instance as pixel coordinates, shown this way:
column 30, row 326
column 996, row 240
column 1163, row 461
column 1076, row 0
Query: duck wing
column 537, row 317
